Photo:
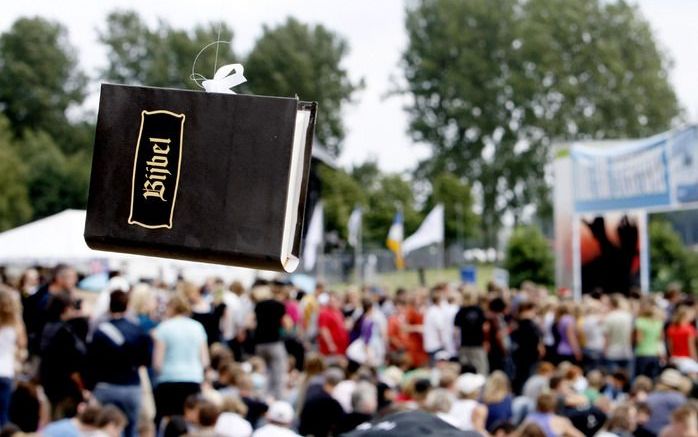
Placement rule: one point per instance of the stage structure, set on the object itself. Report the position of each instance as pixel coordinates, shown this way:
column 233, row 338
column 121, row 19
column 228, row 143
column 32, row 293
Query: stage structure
column 603, row 193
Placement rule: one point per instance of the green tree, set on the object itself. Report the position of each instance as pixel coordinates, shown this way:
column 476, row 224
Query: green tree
column 670, row 260
column 56, row 181
column 161, row 56
column 529, row 257
column 367, row 175
column 495, row 82
column 461, row 221
column 296, row 59
column 40, row 80
column 340, row 194
column 15, row 208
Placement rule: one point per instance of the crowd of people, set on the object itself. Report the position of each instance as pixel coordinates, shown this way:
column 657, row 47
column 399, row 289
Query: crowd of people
column 226, row 360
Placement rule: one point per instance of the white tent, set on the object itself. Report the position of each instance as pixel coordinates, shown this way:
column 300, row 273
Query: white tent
column 50, row 240
column 59, row 238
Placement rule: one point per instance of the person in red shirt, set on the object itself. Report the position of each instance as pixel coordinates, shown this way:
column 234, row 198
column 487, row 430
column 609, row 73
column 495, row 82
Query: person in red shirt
column 398, row 339
column 414, row 328
column 333, row 338
column 681, row 335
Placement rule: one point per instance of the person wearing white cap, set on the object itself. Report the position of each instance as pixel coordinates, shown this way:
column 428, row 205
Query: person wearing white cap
column 279, row 419
column 469, row 414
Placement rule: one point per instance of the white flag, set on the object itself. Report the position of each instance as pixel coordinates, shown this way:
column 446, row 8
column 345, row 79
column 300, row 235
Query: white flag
column 354, row 227
column 430, row 231
column 313, row 239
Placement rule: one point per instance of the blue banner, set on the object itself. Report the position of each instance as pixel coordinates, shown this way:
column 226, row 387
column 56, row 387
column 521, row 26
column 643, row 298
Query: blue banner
column 659, row 171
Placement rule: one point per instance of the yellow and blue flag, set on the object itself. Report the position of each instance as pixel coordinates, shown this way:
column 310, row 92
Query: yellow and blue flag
column 394, row 242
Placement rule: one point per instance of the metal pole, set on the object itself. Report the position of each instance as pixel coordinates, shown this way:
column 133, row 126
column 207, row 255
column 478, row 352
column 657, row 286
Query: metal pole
column 643, row 224
column 358, row 257
column 576, row 257
column 361, row 247
column 459, row 223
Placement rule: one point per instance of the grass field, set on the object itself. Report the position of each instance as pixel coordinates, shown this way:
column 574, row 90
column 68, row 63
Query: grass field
column 410, row 278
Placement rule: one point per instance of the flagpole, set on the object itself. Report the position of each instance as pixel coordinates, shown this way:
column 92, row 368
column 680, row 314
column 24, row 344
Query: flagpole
column 443, row 254
column 443, row 241
column 321, row 254
column 402, row 240
column 358, row 258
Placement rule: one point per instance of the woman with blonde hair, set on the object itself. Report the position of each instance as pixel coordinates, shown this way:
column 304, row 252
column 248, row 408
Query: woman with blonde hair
column 497, row 397
column 12, row 344
column 180, row 357
column 142, row 305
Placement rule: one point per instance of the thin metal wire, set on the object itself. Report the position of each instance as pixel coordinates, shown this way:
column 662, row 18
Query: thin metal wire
column 198, row 77
column 218, row 38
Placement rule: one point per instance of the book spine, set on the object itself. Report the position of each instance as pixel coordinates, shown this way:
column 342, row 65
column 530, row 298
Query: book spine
column 307, row 158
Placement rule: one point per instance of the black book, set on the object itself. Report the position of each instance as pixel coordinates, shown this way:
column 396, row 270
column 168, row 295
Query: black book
column 219, row 178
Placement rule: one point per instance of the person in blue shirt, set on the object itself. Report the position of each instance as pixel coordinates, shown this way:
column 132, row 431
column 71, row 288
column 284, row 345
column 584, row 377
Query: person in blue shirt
column 180, row 357
column 93, row 420
column 84, row 422
column 118, row 348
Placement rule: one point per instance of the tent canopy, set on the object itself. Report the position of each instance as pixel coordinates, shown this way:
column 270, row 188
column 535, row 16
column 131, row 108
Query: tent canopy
column 50, row 240
column 59, row 238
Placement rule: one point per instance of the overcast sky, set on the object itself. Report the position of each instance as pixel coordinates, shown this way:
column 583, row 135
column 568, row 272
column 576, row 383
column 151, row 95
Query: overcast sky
column 374, row 29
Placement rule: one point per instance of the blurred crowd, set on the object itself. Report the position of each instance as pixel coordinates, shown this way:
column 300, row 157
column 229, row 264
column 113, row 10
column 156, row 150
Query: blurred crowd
column 219, row 359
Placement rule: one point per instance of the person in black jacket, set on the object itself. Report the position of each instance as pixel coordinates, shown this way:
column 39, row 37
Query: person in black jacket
column 527, row 346
column 118, row 348
column 62, row 351
column 472, row 325
column 321, row 413
column 63, row 279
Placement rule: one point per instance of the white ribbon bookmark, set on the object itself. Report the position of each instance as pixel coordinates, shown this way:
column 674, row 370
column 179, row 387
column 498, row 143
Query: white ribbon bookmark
column 223, row 80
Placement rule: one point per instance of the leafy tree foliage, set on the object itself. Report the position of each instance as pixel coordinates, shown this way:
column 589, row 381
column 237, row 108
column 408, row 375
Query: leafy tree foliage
column 379, row 194
column 56, row 181
column 14, row 199
column 461, row 221
column 367, row 175
column 340, row 195
column 44, row 153
column 40, row 80
column 529, row 257
column 298, row 59
column 670, row 260
column 291, row 59
column 496, row 82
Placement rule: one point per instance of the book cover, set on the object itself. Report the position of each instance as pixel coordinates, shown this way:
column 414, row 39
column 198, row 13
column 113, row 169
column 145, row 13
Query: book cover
column 200, row 176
